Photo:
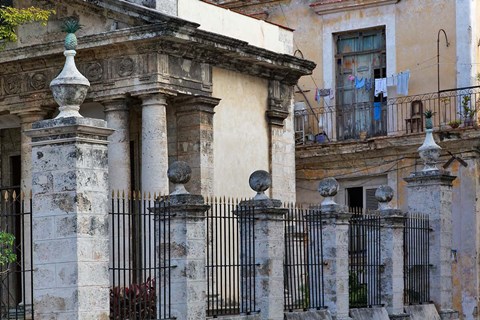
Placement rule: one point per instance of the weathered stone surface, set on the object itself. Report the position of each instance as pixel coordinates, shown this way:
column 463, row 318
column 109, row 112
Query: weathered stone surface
column 70, row 252
column 422, row 312
column 309, row 315
column 260, row 181
column 375, row 313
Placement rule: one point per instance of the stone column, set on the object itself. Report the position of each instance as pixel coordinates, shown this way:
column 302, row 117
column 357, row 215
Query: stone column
column 154, row 144
column 430, row 192
column 70, row 237
column 187, row 247
column 117, row 117
column 194, row 116
column 335, row 224
column 269, row 247
column 26, row 120
column 391, row 234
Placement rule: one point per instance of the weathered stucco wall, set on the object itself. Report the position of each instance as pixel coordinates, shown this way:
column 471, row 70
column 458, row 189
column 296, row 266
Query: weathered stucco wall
column 416, row 43
column 240, row 129
column 218, row 20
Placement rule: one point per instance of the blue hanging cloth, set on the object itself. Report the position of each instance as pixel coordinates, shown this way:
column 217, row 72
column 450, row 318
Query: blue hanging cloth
column 377, row 111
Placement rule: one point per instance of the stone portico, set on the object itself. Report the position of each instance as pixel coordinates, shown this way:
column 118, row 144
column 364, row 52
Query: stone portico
column 152, row 79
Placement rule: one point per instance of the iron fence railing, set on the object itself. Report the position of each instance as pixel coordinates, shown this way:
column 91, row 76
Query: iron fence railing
column 416, row 259
column 140, row 257
column 364, row 260
column 230, row 263
column 16, row 276
column 303, row 264
column 394, row 116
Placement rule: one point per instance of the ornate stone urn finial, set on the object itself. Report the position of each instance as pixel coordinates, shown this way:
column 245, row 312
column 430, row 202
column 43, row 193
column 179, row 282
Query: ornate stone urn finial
column 179, row 174
column 429, row 151
column 70, row 87
column 384, row 194
column 328, row 188
column 260, row 181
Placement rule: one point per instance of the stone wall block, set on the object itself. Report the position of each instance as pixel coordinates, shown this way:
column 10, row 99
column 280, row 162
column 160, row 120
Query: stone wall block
column 43, row 182
column 44, row 228
column 63, row 249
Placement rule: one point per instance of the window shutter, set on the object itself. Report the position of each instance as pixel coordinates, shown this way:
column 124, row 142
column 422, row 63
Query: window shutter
column 371, row 201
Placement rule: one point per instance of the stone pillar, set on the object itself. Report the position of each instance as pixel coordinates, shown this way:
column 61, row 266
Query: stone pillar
column 282, row 143
column 194, row 116
column 269, row 247
column 70, row 206
column 391, row 234
column 430, row 192
column 335, row 224
column 186, row 212
column 117, row 117
column 26, row 120
column 154, row 144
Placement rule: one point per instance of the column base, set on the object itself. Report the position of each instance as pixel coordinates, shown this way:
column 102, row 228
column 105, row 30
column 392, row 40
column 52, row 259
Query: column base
column 448, row 314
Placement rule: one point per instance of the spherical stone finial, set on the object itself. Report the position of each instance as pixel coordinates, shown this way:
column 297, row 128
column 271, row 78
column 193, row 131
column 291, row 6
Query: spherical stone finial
column 384, row 194
column 260, row 181
column 179, row 173
column 328, row 188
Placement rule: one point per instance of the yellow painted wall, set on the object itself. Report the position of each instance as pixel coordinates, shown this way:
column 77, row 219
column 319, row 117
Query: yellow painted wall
column 240, row 129
column 417, row 25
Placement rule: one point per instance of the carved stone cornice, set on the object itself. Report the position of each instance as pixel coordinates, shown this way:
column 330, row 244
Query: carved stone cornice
column 331, row 6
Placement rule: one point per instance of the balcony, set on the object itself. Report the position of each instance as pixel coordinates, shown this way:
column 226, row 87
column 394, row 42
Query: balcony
column 394, row 117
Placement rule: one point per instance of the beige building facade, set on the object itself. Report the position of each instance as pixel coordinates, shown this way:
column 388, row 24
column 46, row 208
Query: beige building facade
column 364, row 140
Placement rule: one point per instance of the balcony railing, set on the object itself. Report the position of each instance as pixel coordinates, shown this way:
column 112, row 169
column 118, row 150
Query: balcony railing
column 393, row 117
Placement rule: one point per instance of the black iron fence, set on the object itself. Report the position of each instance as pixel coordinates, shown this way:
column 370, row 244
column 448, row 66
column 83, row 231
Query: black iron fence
column 396, row 116
column 140, row 257
column 364, row 260
column 230, row 261
column 16, row 276
column 303, row 264
column 416, row 259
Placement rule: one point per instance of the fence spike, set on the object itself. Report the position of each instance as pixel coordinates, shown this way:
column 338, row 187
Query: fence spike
column 149, row 196
column 5, row 195
column 22, row 195
column 14, row 195
column 123, row 194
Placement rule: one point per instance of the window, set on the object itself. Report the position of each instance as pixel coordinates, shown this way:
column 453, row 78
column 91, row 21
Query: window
column 360, row 58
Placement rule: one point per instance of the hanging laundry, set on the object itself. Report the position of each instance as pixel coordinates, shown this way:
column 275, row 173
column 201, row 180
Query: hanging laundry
column 402, row 85
column 332, row 95
column 324, row 92
column 392, row 81
column 359, row 83
column 381, row 86
column 317, row 95
column 351, row 78
column 368, row 84
column 377, row 111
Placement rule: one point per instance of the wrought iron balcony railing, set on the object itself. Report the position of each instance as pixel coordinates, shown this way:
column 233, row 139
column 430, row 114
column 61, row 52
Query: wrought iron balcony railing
column 396, row 116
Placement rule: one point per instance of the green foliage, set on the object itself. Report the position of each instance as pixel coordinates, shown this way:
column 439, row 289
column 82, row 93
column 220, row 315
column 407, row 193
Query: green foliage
column 6, row 248
column 357, row 291
column 11, row 18
column 428, row 113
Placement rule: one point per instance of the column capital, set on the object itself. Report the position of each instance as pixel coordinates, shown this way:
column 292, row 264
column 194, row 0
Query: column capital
column 114, row 102
column 150, row 97
column 195, row 103
column 31, row 116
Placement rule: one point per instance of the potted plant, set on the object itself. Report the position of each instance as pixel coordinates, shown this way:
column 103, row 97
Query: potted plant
column 454, row 124
column 428, row 119
column 468, row 113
